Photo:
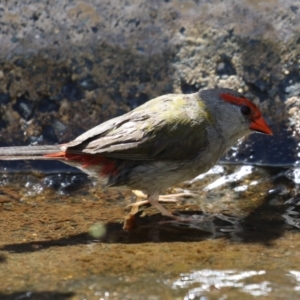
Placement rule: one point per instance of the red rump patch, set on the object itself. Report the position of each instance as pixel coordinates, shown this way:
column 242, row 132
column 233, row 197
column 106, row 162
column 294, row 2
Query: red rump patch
column 255, row 112
column 108, row 165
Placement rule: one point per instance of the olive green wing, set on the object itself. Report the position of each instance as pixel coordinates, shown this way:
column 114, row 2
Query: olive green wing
column 165, row 132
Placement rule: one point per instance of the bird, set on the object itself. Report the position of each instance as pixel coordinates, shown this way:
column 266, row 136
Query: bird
column 165, row 141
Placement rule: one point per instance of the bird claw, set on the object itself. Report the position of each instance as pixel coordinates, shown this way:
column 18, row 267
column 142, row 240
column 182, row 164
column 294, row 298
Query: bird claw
column 171, row 198
column 129, row 221
column 175, row 197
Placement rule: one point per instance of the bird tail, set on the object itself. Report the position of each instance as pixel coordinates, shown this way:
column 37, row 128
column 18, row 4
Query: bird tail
column 29, row 152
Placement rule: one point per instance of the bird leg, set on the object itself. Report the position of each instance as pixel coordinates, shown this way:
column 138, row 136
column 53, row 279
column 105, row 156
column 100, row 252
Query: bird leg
column 162, row 198
column 153, row 199
column 139, row 194
column 172, row 197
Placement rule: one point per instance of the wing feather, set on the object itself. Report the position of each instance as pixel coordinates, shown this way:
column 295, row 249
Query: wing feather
column 149, row 133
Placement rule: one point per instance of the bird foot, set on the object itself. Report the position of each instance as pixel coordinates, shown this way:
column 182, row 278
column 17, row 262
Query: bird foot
column 135, row 206
column 129, row 221
column 171, row 198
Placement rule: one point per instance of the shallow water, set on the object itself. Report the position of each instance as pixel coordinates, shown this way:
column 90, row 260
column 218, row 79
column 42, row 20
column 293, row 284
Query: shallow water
column 241, row 241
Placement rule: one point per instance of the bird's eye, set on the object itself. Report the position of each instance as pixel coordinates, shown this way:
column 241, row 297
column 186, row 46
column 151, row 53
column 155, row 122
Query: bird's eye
column 245, row 110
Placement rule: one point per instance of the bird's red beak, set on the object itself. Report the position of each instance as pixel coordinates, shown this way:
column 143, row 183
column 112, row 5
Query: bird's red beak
column 261, row 126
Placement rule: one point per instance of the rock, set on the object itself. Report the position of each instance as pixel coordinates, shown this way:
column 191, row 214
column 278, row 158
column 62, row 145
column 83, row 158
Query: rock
column 49, row 135
column 72, row 91
column 4, row 98
column 225, row 67
column 47, row 105
column 24, row 107
column 88, row 83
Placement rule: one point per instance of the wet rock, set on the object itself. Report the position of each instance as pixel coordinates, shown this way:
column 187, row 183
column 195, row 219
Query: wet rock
column 293, row 109
column 72, row 91
column 65, row 183
column 261, row 85
column 120, row 112
column 89, row 64
column 94, row 29
column 35, row 16
column 49, row 135
column 260, row 88
column 4, row 98
column 14, row 39
column 59, row 127
column 293, row 90
column 132, row 91
column 116, row 97
column 225, row 67
column 47, row 105
column 182, row 30
column 24, row 107
column 189, row 88
column 57, row 97
column 277, row 150
column 20, row 63
column 294, row 9
column 280, row 189
column 35, row 140
column 78, row 70
column 251, row 71
column 88, row 83
column 137, row 101
column 2, row 124
column 290, row 85
column 168, row 89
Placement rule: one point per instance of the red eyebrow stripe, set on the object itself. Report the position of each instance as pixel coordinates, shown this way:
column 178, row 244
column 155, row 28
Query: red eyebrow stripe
column 242, row 101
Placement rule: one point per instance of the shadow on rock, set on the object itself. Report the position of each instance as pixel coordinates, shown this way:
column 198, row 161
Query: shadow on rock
column 154, row 228
column 268, row 221
column 2, row 260
column 77, row 239
column 37, row 295
column 263, row 226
